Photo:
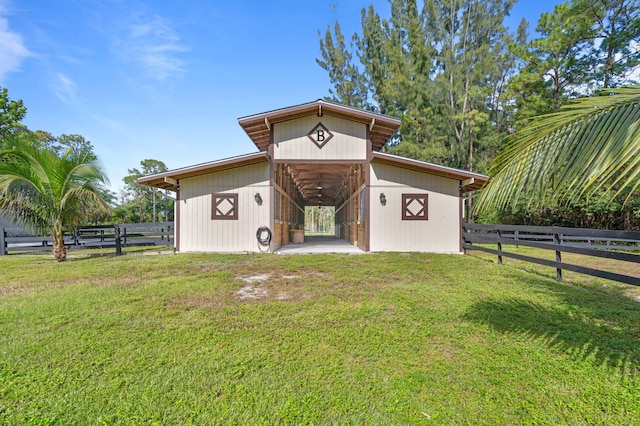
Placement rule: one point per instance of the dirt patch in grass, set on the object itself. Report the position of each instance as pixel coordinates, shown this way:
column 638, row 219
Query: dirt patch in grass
column 253, row 288
column 274, row 286
column 259, row 288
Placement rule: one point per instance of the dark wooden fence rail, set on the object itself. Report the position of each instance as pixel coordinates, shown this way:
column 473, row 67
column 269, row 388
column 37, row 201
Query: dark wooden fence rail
column 618, row 245
column 96, row 236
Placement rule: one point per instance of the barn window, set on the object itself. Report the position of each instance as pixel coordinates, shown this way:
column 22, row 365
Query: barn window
column 224, row 206
column 415, row 206
column 361, row 206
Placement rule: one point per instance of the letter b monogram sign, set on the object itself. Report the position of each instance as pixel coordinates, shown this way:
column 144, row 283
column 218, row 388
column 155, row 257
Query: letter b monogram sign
column 320, row 135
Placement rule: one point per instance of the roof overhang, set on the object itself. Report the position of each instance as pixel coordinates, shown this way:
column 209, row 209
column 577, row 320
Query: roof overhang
column 171, row 180
column 258, row 126
column 469, row 181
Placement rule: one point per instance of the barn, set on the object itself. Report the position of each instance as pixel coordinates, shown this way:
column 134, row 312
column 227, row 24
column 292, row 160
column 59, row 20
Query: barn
column 318, row 154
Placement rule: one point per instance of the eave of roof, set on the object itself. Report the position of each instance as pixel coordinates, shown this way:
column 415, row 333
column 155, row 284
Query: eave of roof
column 258, row 126
column 170, row 180
column 470, row 181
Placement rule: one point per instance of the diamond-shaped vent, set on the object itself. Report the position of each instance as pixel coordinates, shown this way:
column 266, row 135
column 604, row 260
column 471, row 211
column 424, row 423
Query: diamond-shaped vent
column 320, row 135
column 224, row 206
column 415, row 206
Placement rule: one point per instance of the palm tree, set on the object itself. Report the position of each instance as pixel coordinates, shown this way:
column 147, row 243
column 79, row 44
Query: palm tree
column 591, row 145
column 44, row 190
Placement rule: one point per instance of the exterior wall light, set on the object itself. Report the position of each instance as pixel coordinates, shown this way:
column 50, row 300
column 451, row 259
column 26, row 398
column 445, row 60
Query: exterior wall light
column 258, row 198
column 383, row 199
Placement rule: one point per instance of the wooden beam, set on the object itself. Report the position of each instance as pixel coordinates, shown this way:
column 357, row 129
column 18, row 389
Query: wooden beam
column 170, row 181
column 468, row 182
column 266, row 121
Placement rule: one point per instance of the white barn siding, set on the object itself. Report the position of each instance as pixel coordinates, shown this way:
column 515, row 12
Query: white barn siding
column 440, row 233
column 290, row 139
column 199, row 232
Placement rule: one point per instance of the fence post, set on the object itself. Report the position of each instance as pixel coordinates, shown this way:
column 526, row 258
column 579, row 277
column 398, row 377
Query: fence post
column 3, row 242
column 517, row 237
column 557, row 239
column 499, row 247
column 462, row 239
column 116, row 232
column 124, row 233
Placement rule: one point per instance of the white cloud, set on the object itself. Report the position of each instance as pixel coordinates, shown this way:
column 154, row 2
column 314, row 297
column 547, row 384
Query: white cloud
column 12, row 48
column 153, row 44
column 65, row 89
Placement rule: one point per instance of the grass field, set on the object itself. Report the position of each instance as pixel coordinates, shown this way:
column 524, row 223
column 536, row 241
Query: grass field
column 323, row 339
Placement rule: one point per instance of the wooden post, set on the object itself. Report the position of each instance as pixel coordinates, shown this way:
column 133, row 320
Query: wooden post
column 557, row 239
column 116, row 232
column 499, row 247
column 124, row 233
column 517, row 237
column 462, row 232
column 3, row 242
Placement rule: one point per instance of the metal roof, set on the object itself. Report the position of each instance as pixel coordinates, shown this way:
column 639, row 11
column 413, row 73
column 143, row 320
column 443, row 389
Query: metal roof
column 471, row 181
column 169, row 180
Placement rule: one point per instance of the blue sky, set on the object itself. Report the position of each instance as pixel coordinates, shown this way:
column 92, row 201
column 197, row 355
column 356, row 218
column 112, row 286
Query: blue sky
column 168, row 80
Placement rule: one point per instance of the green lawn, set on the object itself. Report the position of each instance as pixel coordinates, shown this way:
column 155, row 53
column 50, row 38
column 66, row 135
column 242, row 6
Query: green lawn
column 323, row 339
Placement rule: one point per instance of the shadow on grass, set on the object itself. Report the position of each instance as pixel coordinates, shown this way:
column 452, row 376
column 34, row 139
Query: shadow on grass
column 587, row 324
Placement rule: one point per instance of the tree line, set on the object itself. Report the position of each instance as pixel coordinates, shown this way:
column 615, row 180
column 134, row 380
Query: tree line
column 462, row 82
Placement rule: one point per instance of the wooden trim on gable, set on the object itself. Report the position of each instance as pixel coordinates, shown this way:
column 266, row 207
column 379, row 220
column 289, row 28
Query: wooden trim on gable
column 257, row 129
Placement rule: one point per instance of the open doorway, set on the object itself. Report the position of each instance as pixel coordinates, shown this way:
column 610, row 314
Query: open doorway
column 319, row 220
column 317, row 198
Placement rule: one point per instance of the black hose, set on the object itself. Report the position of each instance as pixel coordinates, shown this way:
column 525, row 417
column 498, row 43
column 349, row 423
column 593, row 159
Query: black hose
column 264, row 241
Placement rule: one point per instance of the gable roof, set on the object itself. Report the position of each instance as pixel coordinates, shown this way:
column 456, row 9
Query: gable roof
column 169, row 180
column 470, row 181
column 258, row 126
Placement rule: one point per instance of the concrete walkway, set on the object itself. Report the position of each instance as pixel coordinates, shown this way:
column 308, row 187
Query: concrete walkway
column 320, row 244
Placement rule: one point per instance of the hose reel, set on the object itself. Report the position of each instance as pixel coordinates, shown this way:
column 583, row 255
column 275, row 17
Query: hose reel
column 263, row 235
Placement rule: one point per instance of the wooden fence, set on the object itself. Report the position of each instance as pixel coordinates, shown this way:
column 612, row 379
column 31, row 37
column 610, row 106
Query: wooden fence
column 618, row 245
column 95, row 236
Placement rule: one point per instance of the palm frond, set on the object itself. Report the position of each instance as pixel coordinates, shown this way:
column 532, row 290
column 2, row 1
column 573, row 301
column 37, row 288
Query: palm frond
column 589, row 145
